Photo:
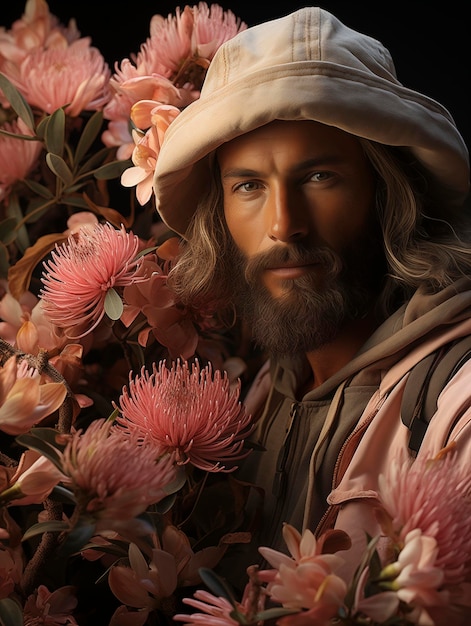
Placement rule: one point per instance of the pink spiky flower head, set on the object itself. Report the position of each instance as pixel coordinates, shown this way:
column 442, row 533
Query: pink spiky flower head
column 81, row 273
column 114, row 478
column 189, row 411
column 426, row 508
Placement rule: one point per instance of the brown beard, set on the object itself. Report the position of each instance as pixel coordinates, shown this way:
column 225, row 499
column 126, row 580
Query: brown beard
column 311, row 313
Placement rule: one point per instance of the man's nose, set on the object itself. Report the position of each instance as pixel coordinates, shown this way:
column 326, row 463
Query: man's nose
column 287, row 216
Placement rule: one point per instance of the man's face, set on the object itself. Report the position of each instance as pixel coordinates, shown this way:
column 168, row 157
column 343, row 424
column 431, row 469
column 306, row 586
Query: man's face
column 299, row 204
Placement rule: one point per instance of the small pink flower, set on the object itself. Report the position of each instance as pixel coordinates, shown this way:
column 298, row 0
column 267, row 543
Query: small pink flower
column 51, row 608
column 215, row 611
column 418, row 579
column 306, row 579
column 24, row 399
column 171, row 324
column 147, row 148
column 33, row 481
column 113, row 477
column 82, row 271
column 11, row 568
column 187, row 411
column 75, row 77
column 170, row 564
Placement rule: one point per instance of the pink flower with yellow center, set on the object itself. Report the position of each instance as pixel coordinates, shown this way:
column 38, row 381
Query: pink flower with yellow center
column 187, row 411
column 75, row 77
column 82, row 271
column 114, row 478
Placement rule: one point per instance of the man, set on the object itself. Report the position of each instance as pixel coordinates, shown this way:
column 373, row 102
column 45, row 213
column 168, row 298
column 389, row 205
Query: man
column 323, row 201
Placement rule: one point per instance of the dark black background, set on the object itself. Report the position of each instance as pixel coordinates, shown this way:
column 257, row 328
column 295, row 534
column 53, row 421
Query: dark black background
column 430, row 46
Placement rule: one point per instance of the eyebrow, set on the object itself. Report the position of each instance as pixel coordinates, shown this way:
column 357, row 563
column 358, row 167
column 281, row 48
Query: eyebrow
column 322, row 161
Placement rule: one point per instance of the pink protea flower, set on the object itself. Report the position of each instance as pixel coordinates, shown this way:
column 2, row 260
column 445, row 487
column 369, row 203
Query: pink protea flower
column 432, row 542
column 17, row 157
column 82, row 271
column 75, row 77
column 113, row 477
column 189, row 412
column 192, row 34
column 36, row 29
column 306, row 579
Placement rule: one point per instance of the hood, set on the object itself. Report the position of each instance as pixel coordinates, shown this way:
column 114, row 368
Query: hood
column 305, row 66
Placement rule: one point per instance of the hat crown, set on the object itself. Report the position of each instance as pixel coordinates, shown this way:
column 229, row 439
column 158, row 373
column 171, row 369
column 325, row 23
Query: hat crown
column 307, row 35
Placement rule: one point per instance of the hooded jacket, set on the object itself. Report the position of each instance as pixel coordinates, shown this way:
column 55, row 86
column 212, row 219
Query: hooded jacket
column 342, row 435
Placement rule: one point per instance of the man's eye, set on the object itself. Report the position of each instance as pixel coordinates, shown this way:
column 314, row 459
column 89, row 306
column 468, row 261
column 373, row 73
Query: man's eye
column 320, row 176
column 247, row 186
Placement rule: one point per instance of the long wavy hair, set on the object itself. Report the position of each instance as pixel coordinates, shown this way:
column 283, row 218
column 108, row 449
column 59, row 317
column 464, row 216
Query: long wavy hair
column 426, row 240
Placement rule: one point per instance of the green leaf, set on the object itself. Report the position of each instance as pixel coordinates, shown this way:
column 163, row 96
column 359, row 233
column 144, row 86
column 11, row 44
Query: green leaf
column 11, row 614
column 77, row 538
column 217, row 585
column 88, row 135
column 40, row 190
column 52, row 526
column 75, row 201
column 7, row 133
column 55, row 132
column 113, row 304
column 14, row 210
column 61, row 494
column 42, row 126
column 7, row 230
column 59, row 167
column 17, row 101
column 275, row 612
column 43, row 440
column 112, row 170
column 165, row 504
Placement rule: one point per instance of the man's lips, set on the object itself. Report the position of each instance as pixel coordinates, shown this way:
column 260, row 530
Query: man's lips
column 291, row 270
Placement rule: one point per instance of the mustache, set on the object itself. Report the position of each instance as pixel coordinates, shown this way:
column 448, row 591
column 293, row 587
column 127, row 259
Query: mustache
column 297, row 254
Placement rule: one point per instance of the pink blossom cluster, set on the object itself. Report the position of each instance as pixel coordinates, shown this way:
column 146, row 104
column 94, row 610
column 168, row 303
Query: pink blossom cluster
column 423, row 577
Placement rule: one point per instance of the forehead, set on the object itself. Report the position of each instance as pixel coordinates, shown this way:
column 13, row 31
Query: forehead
column 295, row 136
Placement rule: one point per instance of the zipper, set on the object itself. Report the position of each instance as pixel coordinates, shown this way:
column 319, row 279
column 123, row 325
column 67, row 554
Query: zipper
column 328, row 519
column 280, row 477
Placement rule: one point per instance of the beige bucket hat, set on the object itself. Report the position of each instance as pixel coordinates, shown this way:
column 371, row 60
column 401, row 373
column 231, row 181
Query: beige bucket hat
column 305, row 66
